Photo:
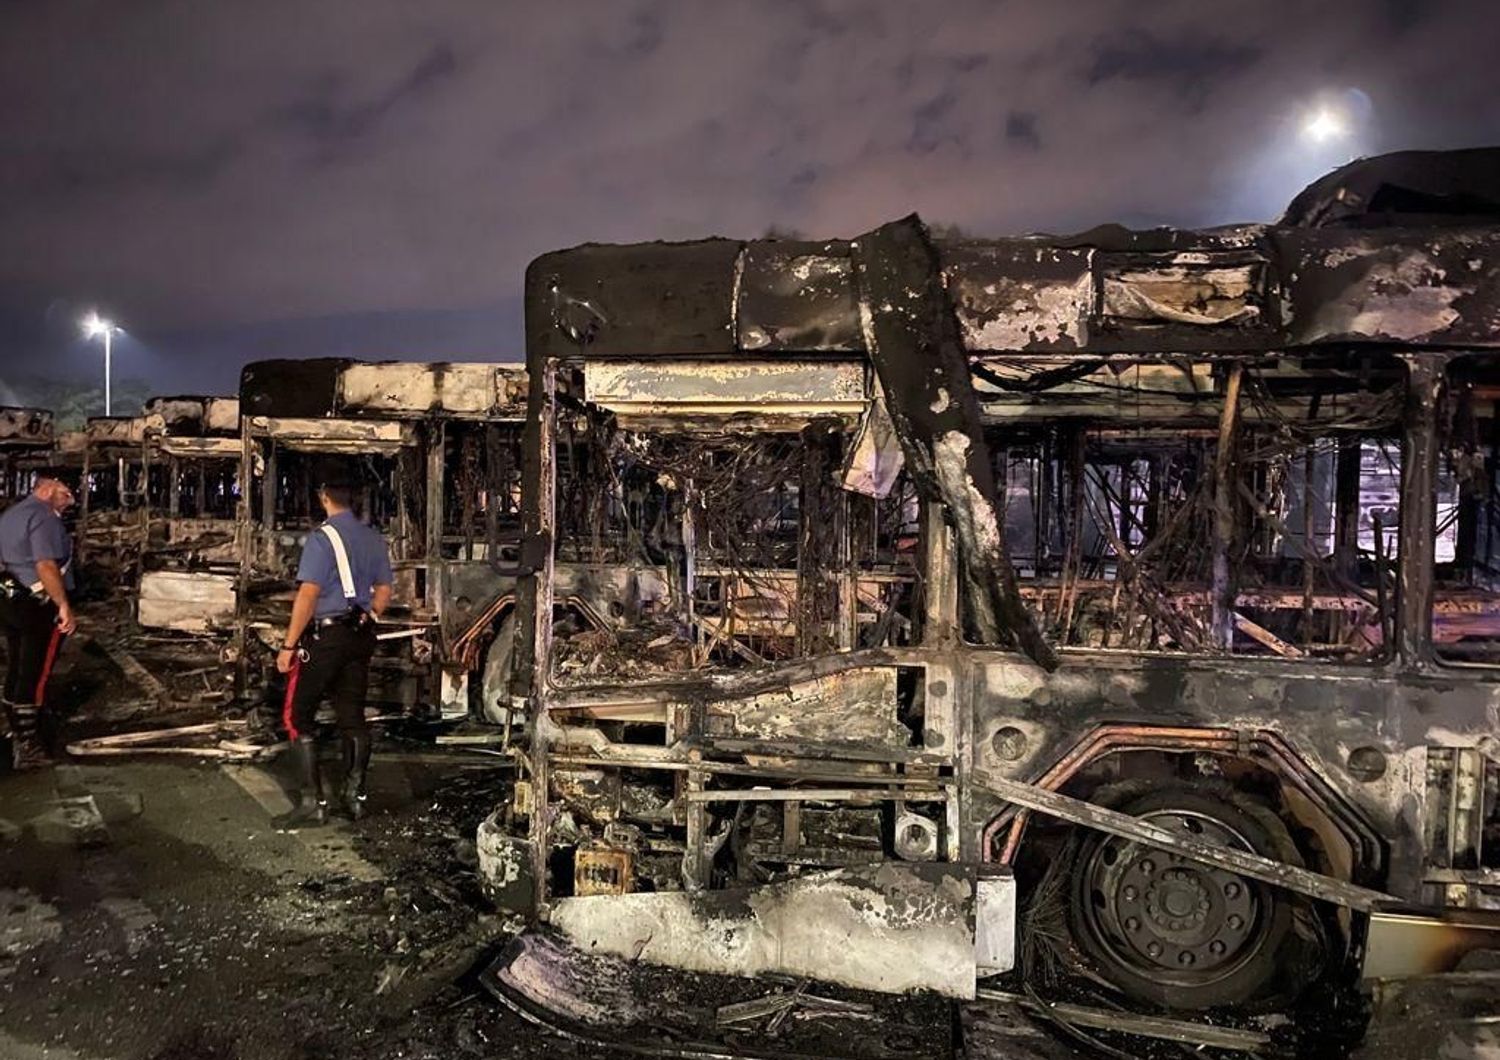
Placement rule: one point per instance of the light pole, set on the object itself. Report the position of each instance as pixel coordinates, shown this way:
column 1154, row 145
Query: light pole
column 95, row 326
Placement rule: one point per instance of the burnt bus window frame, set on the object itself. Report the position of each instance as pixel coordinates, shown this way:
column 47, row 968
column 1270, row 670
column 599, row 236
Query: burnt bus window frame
column 1395, row 435
column 565, row 407
column 1454, row 366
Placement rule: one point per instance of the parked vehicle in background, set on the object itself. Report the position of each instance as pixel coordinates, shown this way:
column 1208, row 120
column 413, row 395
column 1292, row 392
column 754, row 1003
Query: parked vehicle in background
column 437, row 449
column 26, row 435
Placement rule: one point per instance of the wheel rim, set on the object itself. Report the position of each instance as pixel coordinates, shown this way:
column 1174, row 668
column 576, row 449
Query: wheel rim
column 1152, row 913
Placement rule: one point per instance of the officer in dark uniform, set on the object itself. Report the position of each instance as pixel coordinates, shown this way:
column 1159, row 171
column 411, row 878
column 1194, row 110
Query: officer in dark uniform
column 344, row 586
column 36, row 555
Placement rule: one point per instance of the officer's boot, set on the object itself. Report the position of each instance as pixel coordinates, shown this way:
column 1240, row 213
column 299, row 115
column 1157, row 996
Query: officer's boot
column 356, row 766
column 27, row 749
column 7, row 733
column 312, row 805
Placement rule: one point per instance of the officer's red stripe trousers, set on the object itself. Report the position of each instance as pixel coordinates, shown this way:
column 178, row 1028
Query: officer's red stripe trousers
column 288, row 721
column 41, row 681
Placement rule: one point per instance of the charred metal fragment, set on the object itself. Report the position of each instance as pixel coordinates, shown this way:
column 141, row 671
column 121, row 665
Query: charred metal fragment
column 1187, row 1032
column 1253, row 866
column 913, row 341
column 1406, row 187
column 291, row 388
column 619, row 302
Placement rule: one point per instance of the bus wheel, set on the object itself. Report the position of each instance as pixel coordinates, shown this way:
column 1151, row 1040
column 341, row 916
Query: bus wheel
column 1176, row 932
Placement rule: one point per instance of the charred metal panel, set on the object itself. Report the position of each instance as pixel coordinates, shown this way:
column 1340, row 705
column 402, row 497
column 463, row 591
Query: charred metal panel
column 852, row 706
column 201, row 448
column 1244, row 290
column 1020, row 294
column 336, row 435
column 511, row 386
column 397, row 388
column 919, row 357
column 671, row 299
column 115, row 430
column 893, row 927
column 1404, row 188
column 182, row 416
column 221, row 415
column 1196, row 300
column 193, row 416
column 1400, row 287
column 1122, row 391
column 292, row 388
column 25, row 426
column 737, row 387
column 196, row 541
column 1326, row 716
column 874, row 460
column 187, row 601
column 797, row 297
column 1186, row 289
column 389, row 389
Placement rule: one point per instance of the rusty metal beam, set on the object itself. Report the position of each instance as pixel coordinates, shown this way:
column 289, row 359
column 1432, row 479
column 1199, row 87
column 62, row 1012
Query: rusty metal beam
column 534, row 594
column 1224, row 512
column 859, row 795
column 1275, row 873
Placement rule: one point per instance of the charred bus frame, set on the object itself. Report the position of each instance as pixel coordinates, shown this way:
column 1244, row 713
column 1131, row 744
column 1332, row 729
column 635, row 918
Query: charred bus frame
column 27, row 437
column 188, row 560
column 1252, row 750
column 436, row 447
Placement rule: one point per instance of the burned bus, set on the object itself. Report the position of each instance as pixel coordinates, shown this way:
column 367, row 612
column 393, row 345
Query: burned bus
column 190, row 453
column 1130, row 596
column 112, row 499
column 27, row 437
column 436, row 448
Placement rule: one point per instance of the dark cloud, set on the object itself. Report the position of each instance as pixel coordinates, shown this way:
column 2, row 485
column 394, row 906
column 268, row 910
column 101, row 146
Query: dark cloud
column 930, row 123
column 645, row 34
column 1020, row 128
column 1407, row 14
column 77, row 172
column 1192, row 64
column 301, row 175
column 324, row 114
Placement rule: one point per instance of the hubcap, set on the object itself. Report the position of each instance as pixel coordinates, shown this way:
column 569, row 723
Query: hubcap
column 1159, row 915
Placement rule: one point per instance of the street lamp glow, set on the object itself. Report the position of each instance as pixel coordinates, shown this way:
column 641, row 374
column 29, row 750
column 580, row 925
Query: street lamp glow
column 1324, row 125
column 95, row 326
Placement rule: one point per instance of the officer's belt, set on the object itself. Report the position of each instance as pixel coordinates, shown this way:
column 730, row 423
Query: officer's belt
column 353, row 618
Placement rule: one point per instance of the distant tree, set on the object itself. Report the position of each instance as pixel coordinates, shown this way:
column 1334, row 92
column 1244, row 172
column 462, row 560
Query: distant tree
column 73, row 402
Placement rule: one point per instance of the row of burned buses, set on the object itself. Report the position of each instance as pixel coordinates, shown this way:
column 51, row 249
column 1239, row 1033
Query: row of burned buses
column 1134, row 594
column 165, row 517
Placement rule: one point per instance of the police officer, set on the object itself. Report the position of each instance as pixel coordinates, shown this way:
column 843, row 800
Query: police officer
column 344, row 585
column 35, row 577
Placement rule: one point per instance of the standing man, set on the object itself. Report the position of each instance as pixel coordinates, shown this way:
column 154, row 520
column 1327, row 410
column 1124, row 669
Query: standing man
column 344, row 586
column 35, row 576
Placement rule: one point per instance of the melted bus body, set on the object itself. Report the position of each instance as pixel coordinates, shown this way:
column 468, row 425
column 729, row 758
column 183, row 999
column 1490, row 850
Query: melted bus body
column 960, row 557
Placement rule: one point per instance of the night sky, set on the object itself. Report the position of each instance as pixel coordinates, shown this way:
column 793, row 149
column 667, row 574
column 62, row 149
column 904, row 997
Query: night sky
column 239, row 180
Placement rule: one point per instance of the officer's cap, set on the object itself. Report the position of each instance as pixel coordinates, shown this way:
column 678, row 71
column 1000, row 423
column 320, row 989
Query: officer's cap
column 68, row 476
column 338, row 474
